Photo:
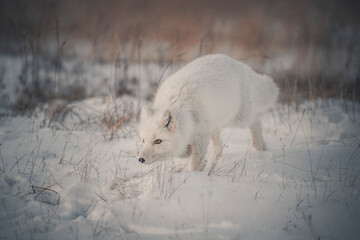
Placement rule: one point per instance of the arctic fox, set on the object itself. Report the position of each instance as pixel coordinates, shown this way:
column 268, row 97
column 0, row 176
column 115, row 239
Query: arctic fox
column 193, row 104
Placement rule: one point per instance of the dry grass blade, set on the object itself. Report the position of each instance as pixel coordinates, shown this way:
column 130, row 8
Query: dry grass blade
column 112, row 119
column 46, row 195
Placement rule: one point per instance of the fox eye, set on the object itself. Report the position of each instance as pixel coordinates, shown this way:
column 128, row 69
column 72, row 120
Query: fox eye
column 157, row 141
column 143, row 140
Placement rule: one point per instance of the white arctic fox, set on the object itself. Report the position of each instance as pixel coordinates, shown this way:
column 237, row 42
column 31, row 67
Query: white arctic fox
column 193, row 104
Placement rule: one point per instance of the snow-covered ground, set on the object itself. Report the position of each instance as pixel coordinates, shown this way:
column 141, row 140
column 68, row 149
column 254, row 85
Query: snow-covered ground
column 65, row 176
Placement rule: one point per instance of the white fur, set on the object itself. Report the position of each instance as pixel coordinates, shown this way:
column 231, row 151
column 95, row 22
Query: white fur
column 210, row 93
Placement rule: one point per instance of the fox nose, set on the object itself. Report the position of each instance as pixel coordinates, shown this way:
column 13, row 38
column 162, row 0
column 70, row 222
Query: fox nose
column 141, row 160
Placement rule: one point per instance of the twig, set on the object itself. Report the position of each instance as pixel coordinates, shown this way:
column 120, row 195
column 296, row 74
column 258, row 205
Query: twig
column 167, row 65
column 2, row 160
column 297, row 128
column 310, row 160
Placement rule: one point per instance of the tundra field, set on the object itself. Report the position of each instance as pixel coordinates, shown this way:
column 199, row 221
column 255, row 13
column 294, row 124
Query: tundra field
column 70, row 169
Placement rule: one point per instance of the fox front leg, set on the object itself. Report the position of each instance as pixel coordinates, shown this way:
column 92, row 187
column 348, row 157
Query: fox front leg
column 257, row 135
column 217, row 145
column 198, row 152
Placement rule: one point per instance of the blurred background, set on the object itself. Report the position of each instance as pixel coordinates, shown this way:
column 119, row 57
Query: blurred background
column 73, row 49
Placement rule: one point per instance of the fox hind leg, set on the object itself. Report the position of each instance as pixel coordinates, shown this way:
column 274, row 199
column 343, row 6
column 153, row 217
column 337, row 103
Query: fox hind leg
column 257, row 135
column 217, row 144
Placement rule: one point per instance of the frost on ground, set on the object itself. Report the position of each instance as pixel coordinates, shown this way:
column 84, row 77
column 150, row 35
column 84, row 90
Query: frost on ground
column 72, row 177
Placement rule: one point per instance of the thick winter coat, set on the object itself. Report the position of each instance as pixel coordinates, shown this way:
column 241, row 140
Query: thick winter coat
column 193, row 104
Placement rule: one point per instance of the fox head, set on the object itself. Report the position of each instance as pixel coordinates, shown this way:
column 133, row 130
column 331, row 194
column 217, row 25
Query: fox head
column 161, row 136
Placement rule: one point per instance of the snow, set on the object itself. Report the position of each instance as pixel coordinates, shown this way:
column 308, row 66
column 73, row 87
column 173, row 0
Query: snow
column 68, row 180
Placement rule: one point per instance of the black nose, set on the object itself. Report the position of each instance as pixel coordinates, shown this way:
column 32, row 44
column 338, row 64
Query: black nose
column 141, row 160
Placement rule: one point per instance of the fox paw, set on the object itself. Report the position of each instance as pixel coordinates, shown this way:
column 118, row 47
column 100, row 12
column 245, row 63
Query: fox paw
column 259, row 146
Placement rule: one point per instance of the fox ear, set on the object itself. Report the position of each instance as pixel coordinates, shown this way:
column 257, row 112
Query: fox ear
column 145, row 113
column 167, row 120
